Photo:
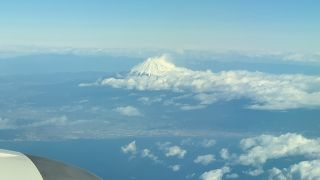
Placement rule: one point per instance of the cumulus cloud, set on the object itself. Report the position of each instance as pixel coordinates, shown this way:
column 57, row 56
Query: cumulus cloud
column 128, row 111
column 227, row 156
column 175, row 168
column 255, row 172
column 175, row 151
column 276, row 174
column 258, row 150
column 304, row 170
column 266, row 91
column 207, row 143
column 130, row 148
column 204, row 159
column 224, row 154
column 146, row 153
column 215, row 174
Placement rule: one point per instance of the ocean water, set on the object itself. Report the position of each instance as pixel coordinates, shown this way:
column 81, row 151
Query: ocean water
column 105, row 158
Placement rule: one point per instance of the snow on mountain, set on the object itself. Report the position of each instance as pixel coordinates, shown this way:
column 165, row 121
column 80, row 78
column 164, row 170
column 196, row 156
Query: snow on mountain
column 154, row 66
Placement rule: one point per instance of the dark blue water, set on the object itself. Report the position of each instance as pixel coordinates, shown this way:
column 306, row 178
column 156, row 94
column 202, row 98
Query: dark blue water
column 105, row 159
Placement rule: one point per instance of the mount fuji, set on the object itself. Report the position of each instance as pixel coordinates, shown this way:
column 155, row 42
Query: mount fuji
column 155, row 66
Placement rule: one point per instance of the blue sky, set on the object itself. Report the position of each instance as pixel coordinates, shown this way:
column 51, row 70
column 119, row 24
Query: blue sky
column 174, row 24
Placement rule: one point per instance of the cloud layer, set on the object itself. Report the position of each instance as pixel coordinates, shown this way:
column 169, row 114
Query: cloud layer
column 266, row 91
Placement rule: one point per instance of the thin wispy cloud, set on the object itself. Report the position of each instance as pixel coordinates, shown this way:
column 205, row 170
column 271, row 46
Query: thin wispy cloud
column 146, row 153
column 128, row 111
column 175, row 168
column 6, row 123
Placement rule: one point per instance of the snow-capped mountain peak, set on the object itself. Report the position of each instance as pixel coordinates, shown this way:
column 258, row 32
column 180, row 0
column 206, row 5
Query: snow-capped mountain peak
column 154, row 66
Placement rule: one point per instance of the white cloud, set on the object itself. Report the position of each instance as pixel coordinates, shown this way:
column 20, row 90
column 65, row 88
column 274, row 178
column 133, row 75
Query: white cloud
column 175, row 168
column 163, row 145
column 227, row 156
column 188, row 107
column 175, row 151
column 258, row 150
column 255, row 172
column 54, row 121
column 300, row 57
column 128, row 111
column 148, row 101
column 129, row 148
column 204, row 159
column 232, row 176
column 276, row 174
column 224, row 154
column 304, row 170
column 266, row 91
column 215, row 174
column 190, row 176
column 311, row 57
column 146, row 153
column 207, row 143
column 88, row 84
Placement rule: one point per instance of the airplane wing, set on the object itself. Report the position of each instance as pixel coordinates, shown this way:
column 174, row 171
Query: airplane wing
column 19, row 166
